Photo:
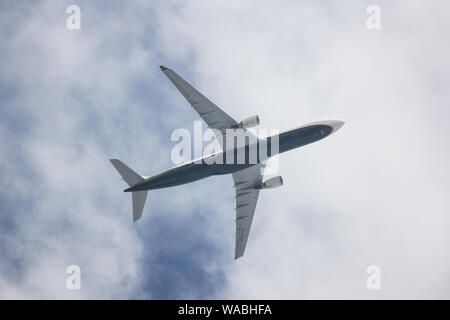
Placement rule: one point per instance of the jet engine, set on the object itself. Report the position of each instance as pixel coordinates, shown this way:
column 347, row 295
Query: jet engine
column 247, row 123
column 272, row 183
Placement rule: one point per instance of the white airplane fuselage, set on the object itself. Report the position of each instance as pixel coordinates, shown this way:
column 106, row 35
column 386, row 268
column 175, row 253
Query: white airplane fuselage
column 199, row 169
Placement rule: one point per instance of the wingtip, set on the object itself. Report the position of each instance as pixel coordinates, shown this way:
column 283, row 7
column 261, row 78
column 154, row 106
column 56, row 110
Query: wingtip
column 163, row 68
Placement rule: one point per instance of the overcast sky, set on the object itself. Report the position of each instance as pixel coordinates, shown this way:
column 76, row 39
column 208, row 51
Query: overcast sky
column 374, row 193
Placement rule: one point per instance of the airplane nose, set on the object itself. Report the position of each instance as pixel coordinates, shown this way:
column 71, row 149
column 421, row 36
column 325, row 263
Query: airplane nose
column 337, row 124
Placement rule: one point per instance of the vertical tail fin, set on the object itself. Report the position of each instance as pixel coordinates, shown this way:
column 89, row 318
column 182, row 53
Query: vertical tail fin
column 139, row 198
column 132, row 178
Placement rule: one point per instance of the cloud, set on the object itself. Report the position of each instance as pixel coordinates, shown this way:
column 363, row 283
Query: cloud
column 68, row 92
column 373, row 193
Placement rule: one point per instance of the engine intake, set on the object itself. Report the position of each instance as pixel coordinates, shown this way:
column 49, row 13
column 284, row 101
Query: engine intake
column 272, row 183
column 247, row 123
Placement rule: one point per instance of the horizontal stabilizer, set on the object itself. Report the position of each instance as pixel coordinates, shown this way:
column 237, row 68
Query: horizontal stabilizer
column 127, row 174
column 132, row 178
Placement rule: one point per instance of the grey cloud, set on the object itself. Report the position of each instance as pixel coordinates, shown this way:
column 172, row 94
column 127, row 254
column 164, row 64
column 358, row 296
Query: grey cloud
column 374, row 193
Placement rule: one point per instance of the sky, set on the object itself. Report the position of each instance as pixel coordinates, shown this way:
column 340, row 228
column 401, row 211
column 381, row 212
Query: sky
column 374, row 193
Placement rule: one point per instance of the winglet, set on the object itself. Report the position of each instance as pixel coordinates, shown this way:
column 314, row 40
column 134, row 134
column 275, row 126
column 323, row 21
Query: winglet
column 163, row 68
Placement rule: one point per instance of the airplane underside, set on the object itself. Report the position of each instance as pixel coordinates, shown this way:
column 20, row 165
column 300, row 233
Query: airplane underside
column 245, row 166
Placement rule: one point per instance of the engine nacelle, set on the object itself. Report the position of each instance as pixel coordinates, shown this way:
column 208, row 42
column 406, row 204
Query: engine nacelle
column 272, row 183
column 247, row 123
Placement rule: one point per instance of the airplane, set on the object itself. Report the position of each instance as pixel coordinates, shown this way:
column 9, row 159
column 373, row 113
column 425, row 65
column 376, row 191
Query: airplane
column 247, row 175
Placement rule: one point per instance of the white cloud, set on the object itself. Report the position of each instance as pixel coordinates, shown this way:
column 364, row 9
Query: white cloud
column 373, row 193
column 69, row 87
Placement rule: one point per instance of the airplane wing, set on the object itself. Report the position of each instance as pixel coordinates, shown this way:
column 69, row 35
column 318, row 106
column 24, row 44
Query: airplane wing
column 214, row 117
column 245, row 182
